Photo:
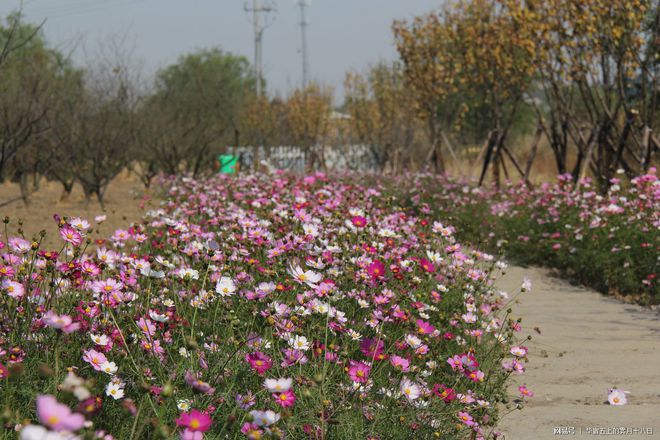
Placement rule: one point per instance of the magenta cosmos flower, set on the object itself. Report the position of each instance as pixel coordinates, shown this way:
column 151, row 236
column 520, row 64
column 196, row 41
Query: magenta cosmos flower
column 57, row 416
column 359, row 371
column 376, row 269
column 70, row 235
column 426, row 265
column 445, row 393
column 195, row 422
column 259, row 361
column 424, row 327
column 359, row 221
column 285, row 399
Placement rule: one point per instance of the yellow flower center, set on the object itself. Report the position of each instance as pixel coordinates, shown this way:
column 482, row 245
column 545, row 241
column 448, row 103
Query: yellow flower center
column 194, row 423
column 52, row 420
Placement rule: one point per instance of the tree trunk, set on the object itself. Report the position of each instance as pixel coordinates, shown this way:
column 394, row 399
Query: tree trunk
column 25, row 188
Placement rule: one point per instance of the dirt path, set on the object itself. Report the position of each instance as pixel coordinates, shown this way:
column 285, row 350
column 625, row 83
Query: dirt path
column 588, row 343
column 122, row 207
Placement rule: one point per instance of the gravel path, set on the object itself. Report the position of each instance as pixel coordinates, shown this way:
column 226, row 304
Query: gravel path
column 588, row 343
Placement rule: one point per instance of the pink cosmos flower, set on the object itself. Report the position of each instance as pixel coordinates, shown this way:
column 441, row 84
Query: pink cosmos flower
column 95, row 359
column 60, row 322
column 400, row 363
column 147, row 326
column 285, row 399
column 198, row 384
column 525, row 392
column 13, row 288
column 57, row 416
column 519, row 351
column 19, row 245
column 616, row 397
column 4, row 371
column 466, row 418
column 359, row 371
column 424, row 327
column 6, row 271
column 70, row 235
column 475, row 376
column 109, row 287
column 252, row 431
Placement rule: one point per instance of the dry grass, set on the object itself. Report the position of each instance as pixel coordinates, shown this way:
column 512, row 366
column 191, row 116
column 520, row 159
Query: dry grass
column 123, row 200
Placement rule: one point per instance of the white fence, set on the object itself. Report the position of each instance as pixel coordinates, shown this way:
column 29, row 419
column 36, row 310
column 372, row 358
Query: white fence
column 356, row 157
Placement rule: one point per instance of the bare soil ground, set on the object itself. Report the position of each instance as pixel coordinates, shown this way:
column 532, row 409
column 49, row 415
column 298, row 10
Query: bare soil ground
column 588, row 343
column 123, row 200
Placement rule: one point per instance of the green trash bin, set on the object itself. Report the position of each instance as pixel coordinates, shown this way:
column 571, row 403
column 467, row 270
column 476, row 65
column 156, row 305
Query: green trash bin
column 228, row 163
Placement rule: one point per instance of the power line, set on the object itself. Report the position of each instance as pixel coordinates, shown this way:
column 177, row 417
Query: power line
column 259, row 26
column 304, row 22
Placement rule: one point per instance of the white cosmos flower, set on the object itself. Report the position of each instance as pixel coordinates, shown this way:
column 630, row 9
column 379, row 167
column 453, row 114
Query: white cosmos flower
column 386, row 232
column 225, row 286
column 616, row 397
column 183, row 405
column 80, row 224
column 264, row 418
column 101, row 340
column 158, row 317
column 190, row 273
column 311, row 229
column 36, row 432
column 354, row 335
column 299, row 343
column 305, row 276
column 434, row 256
column 109, row 367
column 278, row 385
column 410, row 389
column 114, row 390
column 413, row 341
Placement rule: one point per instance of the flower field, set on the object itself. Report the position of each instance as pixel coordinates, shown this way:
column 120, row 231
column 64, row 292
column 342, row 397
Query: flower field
column 257, row 307
column 608, row 241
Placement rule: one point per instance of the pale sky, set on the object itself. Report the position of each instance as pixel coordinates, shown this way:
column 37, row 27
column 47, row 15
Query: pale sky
column 342, row 35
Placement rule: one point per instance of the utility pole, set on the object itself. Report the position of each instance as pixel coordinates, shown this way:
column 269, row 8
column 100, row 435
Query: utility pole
column 259, row 26
column 304, row 22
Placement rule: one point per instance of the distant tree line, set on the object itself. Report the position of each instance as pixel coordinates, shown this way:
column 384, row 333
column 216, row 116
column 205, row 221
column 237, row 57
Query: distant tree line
column 84, row 126
column 579, row 78
column 584, row 73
